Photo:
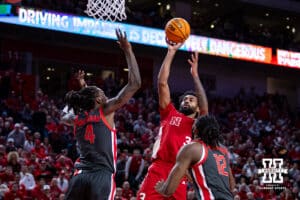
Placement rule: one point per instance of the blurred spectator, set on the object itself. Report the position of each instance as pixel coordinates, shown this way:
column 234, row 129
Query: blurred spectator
column 7, row 176
column 27, row 179
column 29, row 143
column 127, row 193
column 134, row 168
column 13, row 193
column 10, row 146
column 120, row 173
column 118, row 195
column 62, row 182
column 18, row 135
column 13, row 161
column 54, row 189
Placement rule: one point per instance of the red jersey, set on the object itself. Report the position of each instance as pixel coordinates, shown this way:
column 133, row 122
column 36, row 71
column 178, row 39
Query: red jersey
column 175, row 131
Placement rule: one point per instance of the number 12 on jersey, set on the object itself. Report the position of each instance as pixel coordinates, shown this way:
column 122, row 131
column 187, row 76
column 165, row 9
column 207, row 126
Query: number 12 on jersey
column 221, row 164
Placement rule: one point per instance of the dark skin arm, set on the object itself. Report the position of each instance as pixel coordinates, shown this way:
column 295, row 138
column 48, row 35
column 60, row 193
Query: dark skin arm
column 187, row 156
column 134, row 78
column 163, row 76
column 67, row 118
column 199, row 90
column 134, row 82
column 80, row 77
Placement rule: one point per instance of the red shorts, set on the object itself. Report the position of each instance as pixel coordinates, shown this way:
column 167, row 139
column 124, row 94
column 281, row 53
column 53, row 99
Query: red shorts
column 156, row 172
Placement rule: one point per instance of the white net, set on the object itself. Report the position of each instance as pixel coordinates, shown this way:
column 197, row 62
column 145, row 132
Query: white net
column 111, row 10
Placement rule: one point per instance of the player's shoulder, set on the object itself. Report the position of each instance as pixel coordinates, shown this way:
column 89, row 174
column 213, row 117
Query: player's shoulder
column 223, row 149
column 193, row 146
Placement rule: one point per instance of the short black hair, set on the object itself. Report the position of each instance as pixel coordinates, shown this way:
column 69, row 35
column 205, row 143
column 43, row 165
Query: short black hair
column 208, row 129
column 188, row 92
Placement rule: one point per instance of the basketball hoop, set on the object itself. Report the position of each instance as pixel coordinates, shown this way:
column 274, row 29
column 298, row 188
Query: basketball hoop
column 110, row 10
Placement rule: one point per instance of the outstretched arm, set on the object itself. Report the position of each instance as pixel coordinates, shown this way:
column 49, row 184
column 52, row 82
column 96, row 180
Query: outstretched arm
column 163, row 76
column 187, row 156
column 200, row 92
column 134, row 78
column 80, row 78
column 67, row 115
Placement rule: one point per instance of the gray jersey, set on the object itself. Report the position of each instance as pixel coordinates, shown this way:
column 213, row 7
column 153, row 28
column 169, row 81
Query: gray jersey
column 96, row 141
column 211, row 174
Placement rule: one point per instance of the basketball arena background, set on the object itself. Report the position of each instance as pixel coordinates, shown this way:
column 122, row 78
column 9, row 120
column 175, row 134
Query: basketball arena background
column 249, row 64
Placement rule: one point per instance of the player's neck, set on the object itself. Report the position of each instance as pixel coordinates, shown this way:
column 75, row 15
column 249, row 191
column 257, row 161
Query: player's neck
column 193, row 115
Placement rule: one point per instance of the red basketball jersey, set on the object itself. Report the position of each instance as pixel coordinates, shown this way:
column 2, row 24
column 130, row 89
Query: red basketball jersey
column 175, row 131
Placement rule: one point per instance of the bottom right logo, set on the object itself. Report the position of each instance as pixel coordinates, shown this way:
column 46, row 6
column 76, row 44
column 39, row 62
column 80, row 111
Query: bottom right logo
column 272, row 173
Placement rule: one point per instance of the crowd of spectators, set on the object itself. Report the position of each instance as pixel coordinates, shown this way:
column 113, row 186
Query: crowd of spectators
column 37, row 151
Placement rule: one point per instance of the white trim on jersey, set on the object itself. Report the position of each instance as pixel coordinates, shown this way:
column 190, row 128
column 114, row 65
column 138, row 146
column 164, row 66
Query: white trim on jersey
column 205, row 184
column 198, row 185
column 114, row 147
column 156, row 145
column 204, row 154
column 112, row 188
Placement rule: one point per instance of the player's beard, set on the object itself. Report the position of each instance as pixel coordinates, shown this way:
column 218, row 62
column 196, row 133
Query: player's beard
column 186, row 110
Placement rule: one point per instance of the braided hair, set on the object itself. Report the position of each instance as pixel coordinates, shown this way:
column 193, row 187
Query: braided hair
column 208, row 129
column 84, row 99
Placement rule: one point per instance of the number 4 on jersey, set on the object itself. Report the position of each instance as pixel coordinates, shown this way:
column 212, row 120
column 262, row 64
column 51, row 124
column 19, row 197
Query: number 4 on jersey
column 89, row 134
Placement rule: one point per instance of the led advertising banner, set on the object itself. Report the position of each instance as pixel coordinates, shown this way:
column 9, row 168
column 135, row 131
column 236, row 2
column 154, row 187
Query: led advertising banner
column 138, row 34
column 288, row 58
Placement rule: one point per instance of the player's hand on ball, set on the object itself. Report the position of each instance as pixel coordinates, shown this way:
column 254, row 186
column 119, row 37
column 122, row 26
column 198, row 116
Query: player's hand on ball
column 122, row 40
column 173, row 46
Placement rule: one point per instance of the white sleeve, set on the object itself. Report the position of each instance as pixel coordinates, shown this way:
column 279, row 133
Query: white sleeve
column 66, row 110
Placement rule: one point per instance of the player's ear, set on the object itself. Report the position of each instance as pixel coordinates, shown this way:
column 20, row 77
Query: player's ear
column 198, row 112
column 98, row 100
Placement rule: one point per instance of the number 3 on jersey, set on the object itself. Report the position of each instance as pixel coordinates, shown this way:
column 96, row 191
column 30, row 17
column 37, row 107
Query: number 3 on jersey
column 221, row 164
column 142, row 196
column 187, row 140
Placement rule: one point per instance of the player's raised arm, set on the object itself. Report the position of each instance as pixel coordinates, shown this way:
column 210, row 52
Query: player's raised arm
column 80, row 78
column 67, row 115
column 200, row 92
column 187, row 156
column 134, row 78
column 163, row 76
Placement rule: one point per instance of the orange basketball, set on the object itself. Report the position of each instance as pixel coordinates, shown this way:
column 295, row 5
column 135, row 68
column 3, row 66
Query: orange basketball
column 177, row 30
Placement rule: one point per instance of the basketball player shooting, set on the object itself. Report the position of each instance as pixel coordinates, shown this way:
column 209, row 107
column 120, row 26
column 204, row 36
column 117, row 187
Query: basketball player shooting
column 207, row 161
column 94, row 129
column 176, row 127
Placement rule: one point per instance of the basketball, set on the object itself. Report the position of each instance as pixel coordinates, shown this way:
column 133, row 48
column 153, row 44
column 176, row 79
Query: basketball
column 177, row 30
